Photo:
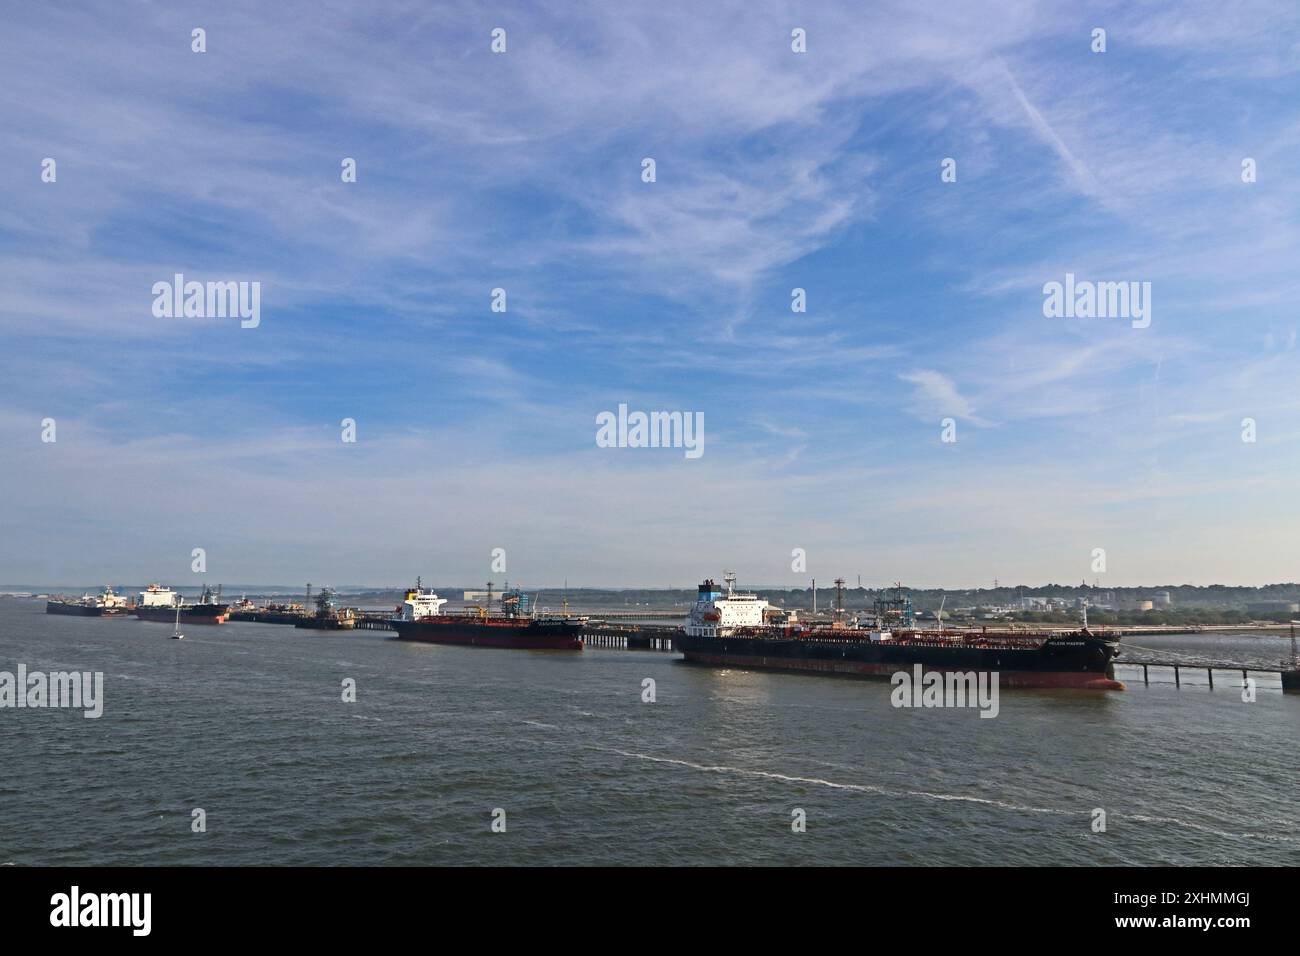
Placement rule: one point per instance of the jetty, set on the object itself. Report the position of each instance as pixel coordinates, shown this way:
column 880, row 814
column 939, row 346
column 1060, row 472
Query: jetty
column 624, row 635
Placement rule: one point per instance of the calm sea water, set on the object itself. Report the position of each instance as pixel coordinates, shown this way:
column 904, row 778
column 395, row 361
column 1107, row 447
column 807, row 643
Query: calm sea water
column 246, row 721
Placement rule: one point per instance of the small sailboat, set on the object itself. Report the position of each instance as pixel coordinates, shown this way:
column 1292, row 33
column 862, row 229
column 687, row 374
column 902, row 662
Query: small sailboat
column 176, row 634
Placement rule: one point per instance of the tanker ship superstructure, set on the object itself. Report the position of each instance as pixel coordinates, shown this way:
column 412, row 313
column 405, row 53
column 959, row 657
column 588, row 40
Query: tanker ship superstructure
column 733, row 629
column 421, row 618
column 157, row 603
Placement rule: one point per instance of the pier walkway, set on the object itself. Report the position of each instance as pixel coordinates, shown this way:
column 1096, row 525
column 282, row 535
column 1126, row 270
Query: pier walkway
column 613, row 635
column 1290, row 675
column 644, row 637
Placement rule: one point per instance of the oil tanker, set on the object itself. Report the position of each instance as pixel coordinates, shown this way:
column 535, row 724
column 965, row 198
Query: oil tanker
column 157, row 603
column 421, row 619
column 108, row 604
column 248, row 611
column 732, row 629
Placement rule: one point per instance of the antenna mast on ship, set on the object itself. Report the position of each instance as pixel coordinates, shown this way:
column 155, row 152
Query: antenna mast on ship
column 730, row 578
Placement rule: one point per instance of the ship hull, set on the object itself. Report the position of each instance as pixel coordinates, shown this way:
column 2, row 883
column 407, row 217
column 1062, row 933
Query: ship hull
column 325, row 623
column 265, row 617
column 1082, row 664
column 81, row 610
column 520, row 635
column 190, row 614
column 75, row 610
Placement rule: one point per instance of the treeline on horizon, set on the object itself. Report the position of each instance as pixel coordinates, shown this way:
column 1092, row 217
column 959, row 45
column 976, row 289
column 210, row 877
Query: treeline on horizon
column 1182, row 597
column 1189, row 604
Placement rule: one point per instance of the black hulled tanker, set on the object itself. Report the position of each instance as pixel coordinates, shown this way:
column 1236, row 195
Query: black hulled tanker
column 741, row 630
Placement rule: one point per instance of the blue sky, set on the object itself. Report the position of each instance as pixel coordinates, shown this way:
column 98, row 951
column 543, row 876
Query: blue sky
column 775, row 170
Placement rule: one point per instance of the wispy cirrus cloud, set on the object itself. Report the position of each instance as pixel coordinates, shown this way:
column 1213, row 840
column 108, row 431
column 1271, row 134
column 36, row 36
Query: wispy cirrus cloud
column 775, row 170
column 936, row 395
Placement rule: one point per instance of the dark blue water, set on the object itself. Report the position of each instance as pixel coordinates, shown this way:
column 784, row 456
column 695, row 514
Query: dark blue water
column 246, row 721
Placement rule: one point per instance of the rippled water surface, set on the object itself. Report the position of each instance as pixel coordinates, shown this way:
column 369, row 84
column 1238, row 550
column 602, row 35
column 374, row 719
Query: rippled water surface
column 246, row 721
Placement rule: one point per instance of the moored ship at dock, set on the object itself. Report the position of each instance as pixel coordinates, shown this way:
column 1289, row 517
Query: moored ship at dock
column 421, row 619
column 327, row 616
column 107, row 604
column 272, row 613
column 742, row 630
column 157, row 603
